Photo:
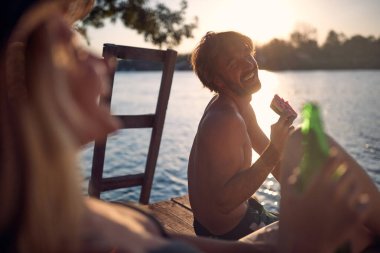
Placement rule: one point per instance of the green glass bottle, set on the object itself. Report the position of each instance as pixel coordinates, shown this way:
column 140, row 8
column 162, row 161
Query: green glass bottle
column 315, row 145
column 316, row 152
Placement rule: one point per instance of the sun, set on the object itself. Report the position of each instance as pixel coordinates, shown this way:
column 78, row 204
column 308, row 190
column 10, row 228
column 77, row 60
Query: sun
column 261, row 20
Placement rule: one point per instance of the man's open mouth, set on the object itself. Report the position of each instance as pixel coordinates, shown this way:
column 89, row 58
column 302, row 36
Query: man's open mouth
column 248, row 76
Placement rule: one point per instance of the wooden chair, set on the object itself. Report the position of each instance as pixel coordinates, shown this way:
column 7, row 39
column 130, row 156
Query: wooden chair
column 155, row 121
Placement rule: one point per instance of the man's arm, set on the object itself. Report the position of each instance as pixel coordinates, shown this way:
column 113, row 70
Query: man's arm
column 258, row 138
column 246, row 182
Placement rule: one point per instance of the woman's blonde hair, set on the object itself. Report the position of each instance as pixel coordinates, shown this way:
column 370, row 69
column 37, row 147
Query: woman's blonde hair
column 42, row 206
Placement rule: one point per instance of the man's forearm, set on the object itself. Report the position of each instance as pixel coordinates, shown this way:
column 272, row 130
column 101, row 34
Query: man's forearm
column 245, row 183
column 270, row 156
column 276, row 171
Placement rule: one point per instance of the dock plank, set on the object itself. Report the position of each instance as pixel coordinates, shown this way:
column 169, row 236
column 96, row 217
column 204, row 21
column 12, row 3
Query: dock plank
column 174, row 214
column 183, row 200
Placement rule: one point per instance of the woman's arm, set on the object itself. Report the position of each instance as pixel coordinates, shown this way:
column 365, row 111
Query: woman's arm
column 219, row 246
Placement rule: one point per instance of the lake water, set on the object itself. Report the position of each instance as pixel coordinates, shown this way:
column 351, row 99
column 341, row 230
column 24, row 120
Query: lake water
column 350, row 103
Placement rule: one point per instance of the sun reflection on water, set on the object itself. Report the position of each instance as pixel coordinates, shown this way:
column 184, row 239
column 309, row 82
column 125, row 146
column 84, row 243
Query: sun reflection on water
column 261, row 100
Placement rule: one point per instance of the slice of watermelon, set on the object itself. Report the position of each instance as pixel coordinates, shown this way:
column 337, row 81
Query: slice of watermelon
column 280, row 106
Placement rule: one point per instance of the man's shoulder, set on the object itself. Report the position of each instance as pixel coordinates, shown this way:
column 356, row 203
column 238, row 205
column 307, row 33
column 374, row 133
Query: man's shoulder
column 221, row 121
column 221, row 115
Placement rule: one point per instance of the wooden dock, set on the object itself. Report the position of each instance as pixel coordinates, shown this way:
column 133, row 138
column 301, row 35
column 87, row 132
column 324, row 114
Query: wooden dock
column 174, row 214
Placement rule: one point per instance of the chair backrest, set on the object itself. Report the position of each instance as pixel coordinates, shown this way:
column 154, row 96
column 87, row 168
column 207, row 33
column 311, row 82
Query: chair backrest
column 155, row 121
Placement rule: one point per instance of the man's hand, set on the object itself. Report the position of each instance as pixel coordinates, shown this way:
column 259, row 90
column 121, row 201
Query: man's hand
column 281, row 130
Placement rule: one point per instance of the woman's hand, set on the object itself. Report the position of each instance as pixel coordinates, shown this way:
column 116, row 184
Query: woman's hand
column 326, row 214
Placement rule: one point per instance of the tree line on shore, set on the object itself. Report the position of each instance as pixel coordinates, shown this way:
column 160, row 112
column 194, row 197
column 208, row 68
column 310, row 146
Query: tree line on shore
column 301, row 52
column 337, row 52
column 165, row 27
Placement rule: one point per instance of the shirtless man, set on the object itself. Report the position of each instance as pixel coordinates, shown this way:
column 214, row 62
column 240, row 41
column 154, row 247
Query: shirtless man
column 221, row 175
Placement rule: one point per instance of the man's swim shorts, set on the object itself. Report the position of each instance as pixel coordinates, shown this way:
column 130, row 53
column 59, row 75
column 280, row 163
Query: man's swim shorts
column 255, row 218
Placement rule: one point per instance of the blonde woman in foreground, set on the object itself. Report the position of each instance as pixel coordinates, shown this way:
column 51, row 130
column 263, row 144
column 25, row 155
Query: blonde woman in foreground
column 49, row 93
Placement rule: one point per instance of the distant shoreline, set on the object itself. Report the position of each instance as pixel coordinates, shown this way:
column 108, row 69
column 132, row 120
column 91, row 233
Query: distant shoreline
column 301, row 52
column 272, row 70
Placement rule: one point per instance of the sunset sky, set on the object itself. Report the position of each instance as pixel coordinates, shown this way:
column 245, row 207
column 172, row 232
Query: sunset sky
column 261, row 20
